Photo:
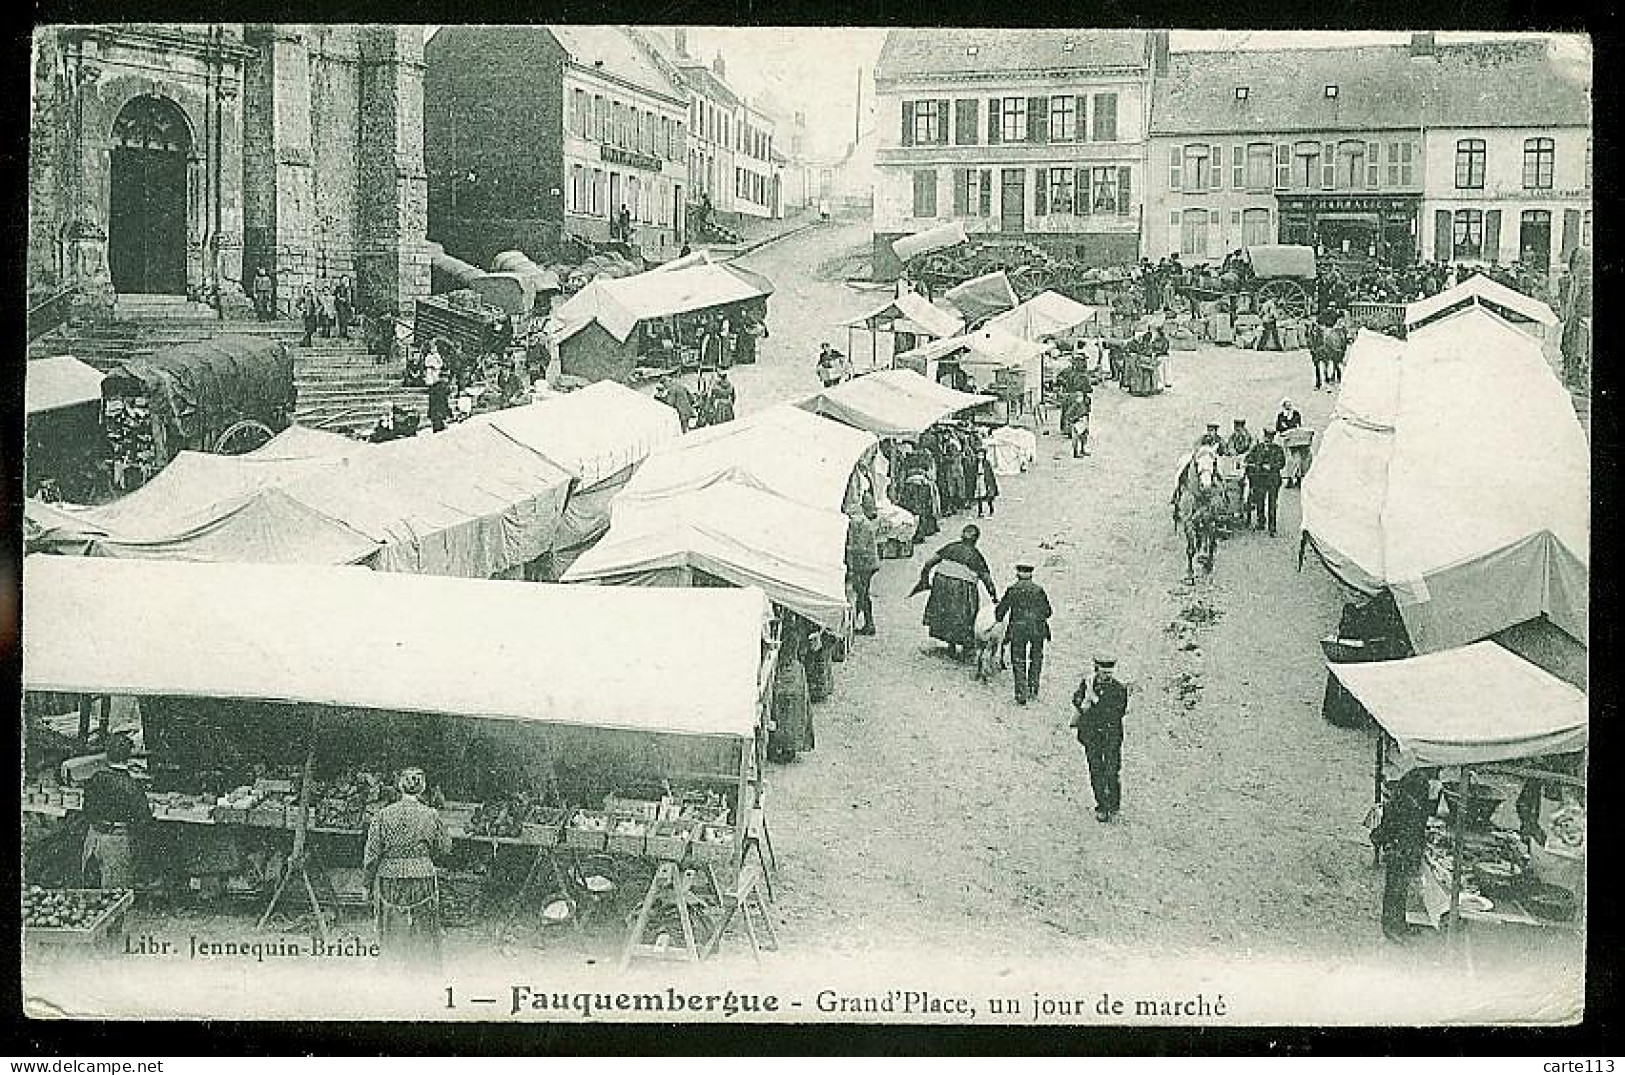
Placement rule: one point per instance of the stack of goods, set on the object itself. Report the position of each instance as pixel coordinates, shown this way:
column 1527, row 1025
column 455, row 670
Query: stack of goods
column 500, row 818
column 343, row 803
column 71, row 914
column 587, row 830
column 45, row 791
column 233, row 808
column 179, row 806
column 128, row 424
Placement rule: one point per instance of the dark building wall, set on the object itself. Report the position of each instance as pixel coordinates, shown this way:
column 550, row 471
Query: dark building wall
column 493, row 130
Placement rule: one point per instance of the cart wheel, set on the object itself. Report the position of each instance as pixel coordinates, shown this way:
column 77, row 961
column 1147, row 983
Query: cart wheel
column 241, row 437
column 1291, row 297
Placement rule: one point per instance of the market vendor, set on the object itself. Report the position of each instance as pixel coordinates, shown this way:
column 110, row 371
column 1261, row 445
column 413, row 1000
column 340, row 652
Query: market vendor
column 399, row 867
column 115, row 809
column 1401, row 836
column 951, row 576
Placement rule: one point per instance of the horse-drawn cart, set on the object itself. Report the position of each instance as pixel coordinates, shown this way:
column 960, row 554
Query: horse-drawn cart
column 1284, row 274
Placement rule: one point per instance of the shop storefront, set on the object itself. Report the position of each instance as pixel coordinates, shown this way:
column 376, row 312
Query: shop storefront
column 1353, row 228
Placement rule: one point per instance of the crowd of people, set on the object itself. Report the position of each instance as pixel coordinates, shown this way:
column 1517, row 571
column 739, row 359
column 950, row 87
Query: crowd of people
column 946, row 471
column 712, row 401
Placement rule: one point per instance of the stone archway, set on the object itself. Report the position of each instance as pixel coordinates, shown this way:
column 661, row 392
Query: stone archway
column 147, row 204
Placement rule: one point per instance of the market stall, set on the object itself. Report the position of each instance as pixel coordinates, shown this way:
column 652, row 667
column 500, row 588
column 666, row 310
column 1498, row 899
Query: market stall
column 1455, row 477
column 983, row 296
column 285, row 729
column 988, row 360
column 469, row 502
column 1049, row 316
column 599, row 434
column 65, row 446
column 652, row 319
column 733, row 533
column 781, row 450
column 1512, row 307
column 892, row 403
column 1499, row 723
column 907, row 319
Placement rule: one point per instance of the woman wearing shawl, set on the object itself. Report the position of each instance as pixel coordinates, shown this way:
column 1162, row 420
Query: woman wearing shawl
column 951, row 575
column 1297, row 458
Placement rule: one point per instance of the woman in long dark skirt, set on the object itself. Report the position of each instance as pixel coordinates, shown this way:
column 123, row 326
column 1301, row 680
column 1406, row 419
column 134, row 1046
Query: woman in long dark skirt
column 952, row 575
column 792, row 728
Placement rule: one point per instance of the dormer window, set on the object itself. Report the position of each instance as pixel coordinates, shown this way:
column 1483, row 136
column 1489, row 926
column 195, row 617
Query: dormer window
column 972, row 50
column 1068, row 45
column 1331, row 92
column 1241, row 93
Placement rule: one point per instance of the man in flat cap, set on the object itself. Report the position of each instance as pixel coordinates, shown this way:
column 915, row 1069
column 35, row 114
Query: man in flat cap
column 1101, row 703
column 1026, row 607
column 1210, row 439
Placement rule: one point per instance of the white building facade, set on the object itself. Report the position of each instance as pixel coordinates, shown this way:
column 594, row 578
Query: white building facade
column 1033, row 136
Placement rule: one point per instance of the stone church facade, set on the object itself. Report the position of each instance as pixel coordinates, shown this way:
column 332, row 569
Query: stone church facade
column 171, row 159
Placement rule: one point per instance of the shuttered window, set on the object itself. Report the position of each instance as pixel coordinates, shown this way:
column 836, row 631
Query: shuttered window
column 1105, row 125
column 1081, row 182
column 1441, row 235
column 1038, row 119
column 1492, row 235
column 995, row 120
column 1371, row 170
column 963, row 180
column 1328, row 167
column 1238, row 167
column 1123, row 191
column 1040, row 202
column 1283, row 167
column 925, row 193
column 1013, row 119
column 1060, row 190
column 967, row 131
column 1260, row 166
column 1216, row 162
column 1467, row 236
column 1176, row 157
column 1063, row 119
column 1255, row 227
column 987, row 192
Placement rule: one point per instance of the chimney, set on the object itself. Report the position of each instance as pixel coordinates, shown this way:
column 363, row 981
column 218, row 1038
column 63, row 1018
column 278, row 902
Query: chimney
column 719, row 67
column 1422, row 43
column 1159, row 53
column 679, row 40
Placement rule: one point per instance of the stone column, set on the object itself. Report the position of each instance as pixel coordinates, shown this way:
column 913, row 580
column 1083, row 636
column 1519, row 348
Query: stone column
column 393, row 269
column 277, row 178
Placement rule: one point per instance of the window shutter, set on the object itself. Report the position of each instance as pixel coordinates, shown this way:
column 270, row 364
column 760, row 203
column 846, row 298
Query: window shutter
column 1083, row 197
column 1571, row 232
column 1213, row 220
column 1175, row 172
column 1372, row 150
column 1080, row 125
column 1492, row 235
column 966, row 117
column 994, row 118
column 987, row 192
column 1122, row 191
column 1328, row 166
column 908, row 123
column 1283, row 167
column 1040, row 191
column 1215, row 175
column 1038, row 119
column 944, row 117
column 1238, row 168
column 1442, row 234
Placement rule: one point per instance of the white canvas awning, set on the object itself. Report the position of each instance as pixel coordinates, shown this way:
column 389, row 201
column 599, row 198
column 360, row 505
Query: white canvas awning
column 618, row 304
column 793, row 553
column 53, row 383
column 1473, row 705
column 1046, row 316
column 338, row 636
column 1456, row 477
column 914, row 310
column 594, row 432
column 1476, row 290
column 980, row 296
column 925, row 242
column 891, row 403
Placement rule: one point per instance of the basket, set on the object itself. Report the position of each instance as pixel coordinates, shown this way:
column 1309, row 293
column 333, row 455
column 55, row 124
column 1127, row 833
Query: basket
column 703, row 850
column 670, row 840
column 586, row 839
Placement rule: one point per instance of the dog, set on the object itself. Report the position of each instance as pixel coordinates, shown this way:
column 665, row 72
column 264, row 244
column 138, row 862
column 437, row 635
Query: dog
column 991, row 646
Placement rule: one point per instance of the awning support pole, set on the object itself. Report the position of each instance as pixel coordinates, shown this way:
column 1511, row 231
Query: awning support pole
column 1382, row 736
column 1456, row 843
column 297, row 860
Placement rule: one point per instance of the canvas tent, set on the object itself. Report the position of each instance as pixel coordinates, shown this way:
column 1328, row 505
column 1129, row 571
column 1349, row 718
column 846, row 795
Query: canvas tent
column 55, row 383
column 1046, row 316
column 1477, row 290
column 793, row 553
column 891, row 403
column 941, row 237
column 599, row 434
column 909, row 312
column 981, row 355
column 781, row 450
column 408, row 645
column 982, row 296
column 468, row 502
column 1473, row 510
column 1473, row 705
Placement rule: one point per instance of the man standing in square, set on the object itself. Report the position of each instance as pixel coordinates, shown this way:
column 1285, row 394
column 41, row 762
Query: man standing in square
column 862, row 561
column 1101, row 703
column 1026, row 607
column 1265, row 461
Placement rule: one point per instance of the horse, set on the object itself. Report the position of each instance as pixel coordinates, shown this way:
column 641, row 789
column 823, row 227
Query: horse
column 1196, row 509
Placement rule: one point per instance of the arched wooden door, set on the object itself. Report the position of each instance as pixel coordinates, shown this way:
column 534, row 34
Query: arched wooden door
column 146, row 234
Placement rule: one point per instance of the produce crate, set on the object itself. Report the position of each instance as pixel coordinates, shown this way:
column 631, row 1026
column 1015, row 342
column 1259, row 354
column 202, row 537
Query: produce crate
column 1297, row 438
column 615, row 804
column 628, row 843
column 670, row 840
column 705, row 850
column 110, row 920
column 587, row 839
column 545, row 828
column 231, row 815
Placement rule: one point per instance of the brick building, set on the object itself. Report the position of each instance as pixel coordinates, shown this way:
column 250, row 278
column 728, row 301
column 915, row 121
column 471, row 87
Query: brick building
column 1033, row 135
column 533, row 131
column 176, row 159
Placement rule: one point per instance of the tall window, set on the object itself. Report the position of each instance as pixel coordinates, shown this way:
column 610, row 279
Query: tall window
column 1260, row 165
column 1351, row 165
column 578, row 102
column 1283, row 167
column 1585, row 229
column 1193, row 233
column 1306, row 170
column 1535, row 238
column 1399, row 164
column 930, row 123
column 600, row 117
column 1538, row 154
column 596, row 206
column 1198, row 168
column 1467, row 236
column 1105, row 108
column 578, row 188
column 1013, row 119
column 1060, row 190
column 1105, row 196
column 1063, row 119
column 1372, row 151
column 1588, row 160
column 1255, row 227
column 1470, row 164
column 925, row 193
column 618, row 130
